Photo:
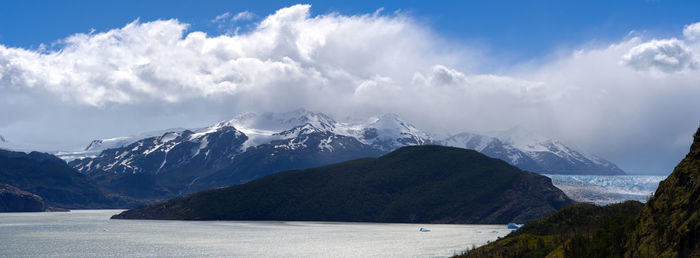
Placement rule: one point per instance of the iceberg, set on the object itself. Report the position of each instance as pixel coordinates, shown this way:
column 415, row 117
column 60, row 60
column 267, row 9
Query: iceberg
column 514, row 226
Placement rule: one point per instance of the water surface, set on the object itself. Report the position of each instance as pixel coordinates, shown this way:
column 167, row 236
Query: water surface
column 91, row 233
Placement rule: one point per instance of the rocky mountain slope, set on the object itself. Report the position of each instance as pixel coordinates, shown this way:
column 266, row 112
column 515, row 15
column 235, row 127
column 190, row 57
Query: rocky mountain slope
column 12, row 199
column 412, row 184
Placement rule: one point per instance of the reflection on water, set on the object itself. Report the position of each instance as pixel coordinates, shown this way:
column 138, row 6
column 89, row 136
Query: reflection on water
column 92, row 234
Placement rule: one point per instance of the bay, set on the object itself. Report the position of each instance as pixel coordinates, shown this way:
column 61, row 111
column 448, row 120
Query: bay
column 90, row 233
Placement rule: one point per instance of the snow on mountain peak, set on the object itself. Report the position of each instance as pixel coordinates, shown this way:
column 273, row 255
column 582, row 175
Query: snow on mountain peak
column 276, row 122
column 2, row 139
column 390, row 126
column 473, row 141
column 528, row 141
column 523, row 139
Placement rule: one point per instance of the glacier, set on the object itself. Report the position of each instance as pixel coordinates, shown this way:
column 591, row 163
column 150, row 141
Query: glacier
column 605, row 190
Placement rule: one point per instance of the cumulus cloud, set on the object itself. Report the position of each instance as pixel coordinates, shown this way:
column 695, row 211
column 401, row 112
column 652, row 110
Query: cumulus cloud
column 161, row 61
column 669, row 55
column 158, row 74
column 692, row 31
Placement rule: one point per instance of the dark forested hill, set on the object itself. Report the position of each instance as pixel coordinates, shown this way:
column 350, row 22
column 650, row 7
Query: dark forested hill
column 53, row 180
column 412, row 184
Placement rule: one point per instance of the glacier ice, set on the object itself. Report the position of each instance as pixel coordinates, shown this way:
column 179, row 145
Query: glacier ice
column 604, row 190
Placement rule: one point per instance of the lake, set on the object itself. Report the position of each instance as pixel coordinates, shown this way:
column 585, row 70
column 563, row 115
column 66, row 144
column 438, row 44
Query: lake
column 90, row 233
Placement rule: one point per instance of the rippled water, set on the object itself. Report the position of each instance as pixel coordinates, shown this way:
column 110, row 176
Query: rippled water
column 92, row 234
column 604, row 190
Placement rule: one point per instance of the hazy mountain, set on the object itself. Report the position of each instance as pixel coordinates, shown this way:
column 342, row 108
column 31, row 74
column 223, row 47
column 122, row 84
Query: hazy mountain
column 534, row 153
column 412, row 184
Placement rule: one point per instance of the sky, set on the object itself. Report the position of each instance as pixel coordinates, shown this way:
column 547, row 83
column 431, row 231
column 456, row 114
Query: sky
column 619, row 80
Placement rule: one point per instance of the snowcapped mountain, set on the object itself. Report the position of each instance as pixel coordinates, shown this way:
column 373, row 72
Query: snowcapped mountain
column 229, row 152
column 97, row 146
column 386, row 133
column 2, row 139
column 534, row 153
column 250, row 146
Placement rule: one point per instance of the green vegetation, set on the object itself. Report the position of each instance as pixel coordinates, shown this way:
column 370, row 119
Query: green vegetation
column 413, row 184
column 581, row 230
column 667, row 226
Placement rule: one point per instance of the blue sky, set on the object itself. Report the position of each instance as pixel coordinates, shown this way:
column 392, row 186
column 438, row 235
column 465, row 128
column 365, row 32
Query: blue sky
column 616, row 78
column 514, row 31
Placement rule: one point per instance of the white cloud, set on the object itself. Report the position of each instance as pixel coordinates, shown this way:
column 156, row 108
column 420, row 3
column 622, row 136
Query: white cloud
column 668, row 55
column 243, row 16
column 692, row 31
column 445, row 76
column 157, row 74
column 221, row 17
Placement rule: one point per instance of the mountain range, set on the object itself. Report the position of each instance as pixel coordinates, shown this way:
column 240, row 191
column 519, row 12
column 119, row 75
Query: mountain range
column 249, row 146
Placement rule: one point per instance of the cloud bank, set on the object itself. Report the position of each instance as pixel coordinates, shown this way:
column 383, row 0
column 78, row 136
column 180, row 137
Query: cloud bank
column 628, row 99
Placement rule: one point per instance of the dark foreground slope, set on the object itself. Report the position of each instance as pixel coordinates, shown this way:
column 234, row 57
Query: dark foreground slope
column 53, row 180
column 12, row 199
column 667, row 226
column 581, row 230
column 412, row 184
